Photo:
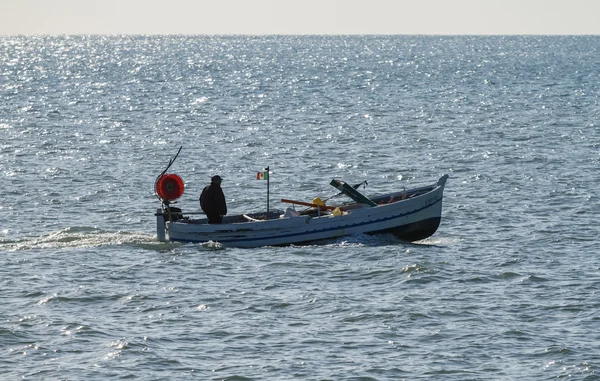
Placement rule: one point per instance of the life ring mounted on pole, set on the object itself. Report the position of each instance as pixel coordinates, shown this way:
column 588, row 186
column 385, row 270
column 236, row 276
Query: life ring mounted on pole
column 169, row 187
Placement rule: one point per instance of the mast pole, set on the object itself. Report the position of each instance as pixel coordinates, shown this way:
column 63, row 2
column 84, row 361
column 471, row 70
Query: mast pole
column 268, row 180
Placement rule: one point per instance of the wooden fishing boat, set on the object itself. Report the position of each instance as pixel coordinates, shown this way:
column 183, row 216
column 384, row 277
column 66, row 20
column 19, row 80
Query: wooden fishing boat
column 409, row 214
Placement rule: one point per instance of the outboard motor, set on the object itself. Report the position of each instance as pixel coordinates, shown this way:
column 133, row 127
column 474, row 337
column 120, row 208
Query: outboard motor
column 172, row 213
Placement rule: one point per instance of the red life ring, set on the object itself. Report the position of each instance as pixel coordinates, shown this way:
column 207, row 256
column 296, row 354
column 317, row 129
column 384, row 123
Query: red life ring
column 169, row 187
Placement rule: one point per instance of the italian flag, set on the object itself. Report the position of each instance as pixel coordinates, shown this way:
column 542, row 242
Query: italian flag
column 262, row 176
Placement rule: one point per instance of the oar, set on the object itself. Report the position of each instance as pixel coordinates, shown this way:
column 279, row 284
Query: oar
column 308, row 204
column 352, row 192
column 322, row 206
column 341, row 193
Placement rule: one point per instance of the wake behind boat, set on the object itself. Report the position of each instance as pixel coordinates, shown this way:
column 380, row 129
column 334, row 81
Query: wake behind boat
column 409, row 214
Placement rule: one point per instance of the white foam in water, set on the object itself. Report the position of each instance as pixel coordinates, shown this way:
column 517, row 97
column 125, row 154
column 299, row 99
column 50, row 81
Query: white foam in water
column 368, row 240
column 211, row 245
column 437, row 241
column 83, row 237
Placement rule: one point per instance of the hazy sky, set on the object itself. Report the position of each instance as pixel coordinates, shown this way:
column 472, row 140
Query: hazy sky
column 299, row 17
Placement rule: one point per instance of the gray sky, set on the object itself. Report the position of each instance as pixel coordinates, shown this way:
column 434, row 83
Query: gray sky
column 299, row 17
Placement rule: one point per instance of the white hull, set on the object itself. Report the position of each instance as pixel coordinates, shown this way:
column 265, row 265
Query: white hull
column 411, row 215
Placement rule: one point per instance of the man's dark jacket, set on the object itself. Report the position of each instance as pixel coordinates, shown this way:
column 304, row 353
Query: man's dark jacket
column 212, row 200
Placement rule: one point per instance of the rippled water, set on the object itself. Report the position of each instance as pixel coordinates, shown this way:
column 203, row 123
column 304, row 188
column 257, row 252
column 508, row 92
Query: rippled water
column 506, row 289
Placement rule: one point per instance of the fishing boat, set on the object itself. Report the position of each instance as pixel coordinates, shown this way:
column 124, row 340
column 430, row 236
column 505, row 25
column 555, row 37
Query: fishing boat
column 409, row 214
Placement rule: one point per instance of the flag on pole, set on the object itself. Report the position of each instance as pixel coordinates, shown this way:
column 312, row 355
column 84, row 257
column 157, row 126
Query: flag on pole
column 265, row 176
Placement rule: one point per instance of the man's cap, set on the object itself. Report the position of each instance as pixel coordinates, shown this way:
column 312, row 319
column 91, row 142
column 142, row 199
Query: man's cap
column 216, row 178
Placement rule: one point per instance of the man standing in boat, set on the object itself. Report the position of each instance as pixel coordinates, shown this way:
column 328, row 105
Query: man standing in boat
column 212, row 201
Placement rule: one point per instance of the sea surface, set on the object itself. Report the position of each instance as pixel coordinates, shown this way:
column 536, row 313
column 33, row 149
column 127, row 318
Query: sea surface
column 506, row 289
